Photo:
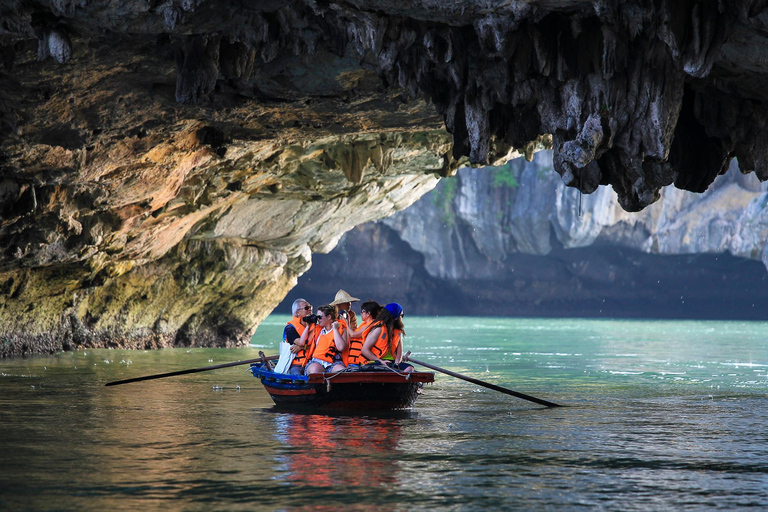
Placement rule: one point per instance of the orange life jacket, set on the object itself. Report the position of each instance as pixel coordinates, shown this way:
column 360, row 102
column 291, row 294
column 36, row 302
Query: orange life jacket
column 343, row 324
column 303, row 355
column 325, row 346
column 385, row 348
column 351, row 354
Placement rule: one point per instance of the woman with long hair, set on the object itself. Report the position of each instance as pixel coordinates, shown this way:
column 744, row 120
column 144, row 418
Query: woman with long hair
column 385, row 341
column 330, row 341
column 369, row 310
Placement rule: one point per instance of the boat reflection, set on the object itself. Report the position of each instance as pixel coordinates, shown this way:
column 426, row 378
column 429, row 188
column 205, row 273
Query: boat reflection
column 339, row 451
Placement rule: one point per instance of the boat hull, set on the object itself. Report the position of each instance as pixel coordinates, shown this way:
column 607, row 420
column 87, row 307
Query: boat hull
column 359, row 390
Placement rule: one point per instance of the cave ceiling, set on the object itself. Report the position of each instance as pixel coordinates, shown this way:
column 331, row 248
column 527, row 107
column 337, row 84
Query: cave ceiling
column 141, row 134
column 636, row 94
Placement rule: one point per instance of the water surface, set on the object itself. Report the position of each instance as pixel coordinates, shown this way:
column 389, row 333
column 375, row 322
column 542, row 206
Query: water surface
column 662, row 415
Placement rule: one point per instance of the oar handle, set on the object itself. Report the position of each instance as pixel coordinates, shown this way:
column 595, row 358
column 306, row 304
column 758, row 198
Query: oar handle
column 193, row 370
column 488, row 385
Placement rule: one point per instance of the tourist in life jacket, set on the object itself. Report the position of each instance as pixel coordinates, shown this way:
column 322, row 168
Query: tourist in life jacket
column 328, row 344
column 297, row 332
column 353, row 356
column 343, row 304
column 384, row 342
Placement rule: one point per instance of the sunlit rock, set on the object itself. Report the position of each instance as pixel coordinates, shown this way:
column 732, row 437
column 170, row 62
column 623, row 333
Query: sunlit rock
column 487, row 221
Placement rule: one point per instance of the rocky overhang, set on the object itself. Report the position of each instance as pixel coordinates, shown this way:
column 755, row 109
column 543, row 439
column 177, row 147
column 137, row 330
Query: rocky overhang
column 168, row 167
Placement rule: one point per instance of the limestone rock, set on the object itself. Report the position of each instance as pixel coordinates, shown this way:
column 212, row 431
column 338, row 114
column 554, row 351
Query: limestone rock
column 167, row 172
column 516, row 241
column 470, row 229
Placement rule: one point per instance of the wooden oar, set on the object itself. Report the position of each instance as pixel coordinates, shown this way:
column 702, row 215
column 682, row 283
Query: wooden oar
column 193, row 370
column 488, row 385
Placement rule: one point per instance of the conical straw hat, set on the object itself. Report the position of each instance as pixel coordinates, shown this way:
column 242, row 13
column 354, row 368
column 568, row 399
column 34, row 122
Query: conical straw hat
column 342, row 297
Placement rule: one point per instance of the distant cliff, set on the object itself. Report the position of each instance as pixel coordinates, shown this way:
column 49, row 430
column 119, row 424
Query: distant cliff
column 515, row 240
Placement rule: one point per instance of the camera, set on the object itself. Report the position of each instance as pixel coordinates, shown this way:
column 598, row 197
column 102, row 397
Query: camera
column 311, row 319
column 343, row 313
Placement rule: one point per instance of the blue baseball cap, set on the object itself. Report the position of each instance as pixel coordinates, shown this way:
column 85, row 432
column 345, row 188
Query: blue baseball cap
column 394, row 309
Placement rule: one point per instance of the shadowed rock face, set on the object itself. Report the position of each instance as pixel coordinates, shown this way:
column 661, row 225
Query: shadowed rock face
column 168, row 167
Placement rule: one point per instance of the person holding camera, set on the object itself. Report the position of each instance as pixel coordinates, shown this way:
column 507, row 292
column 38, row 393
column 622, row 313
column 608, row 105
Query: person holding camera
column 328, row 344
column 297, row 332
column 343, row 304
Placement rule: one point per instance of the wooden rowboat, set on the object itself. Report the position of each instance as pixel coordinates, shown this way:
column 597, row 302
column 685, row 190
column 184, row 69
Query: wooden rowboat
column 369, row 389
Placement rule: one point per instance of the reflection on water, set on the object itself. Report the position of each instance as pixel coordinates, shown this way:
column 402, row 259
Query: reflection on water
column 345, row 451
column 663, row 415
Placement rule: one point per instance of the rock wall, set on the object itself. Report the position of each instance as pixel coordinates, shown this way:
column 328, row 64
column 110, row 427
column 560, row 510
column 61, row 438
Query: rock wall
column 167, row 168
column 516, row 241
column 731, row 216
column 204, row 264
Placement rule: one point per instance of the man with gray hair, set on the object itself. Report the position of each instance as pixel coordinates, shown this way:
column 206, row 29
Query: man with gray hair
column 296, row 333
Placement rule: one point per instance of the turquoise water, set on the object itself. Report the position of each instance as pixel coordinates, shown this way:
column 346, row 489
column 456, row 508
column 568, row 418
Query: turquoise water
column 662, row 415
